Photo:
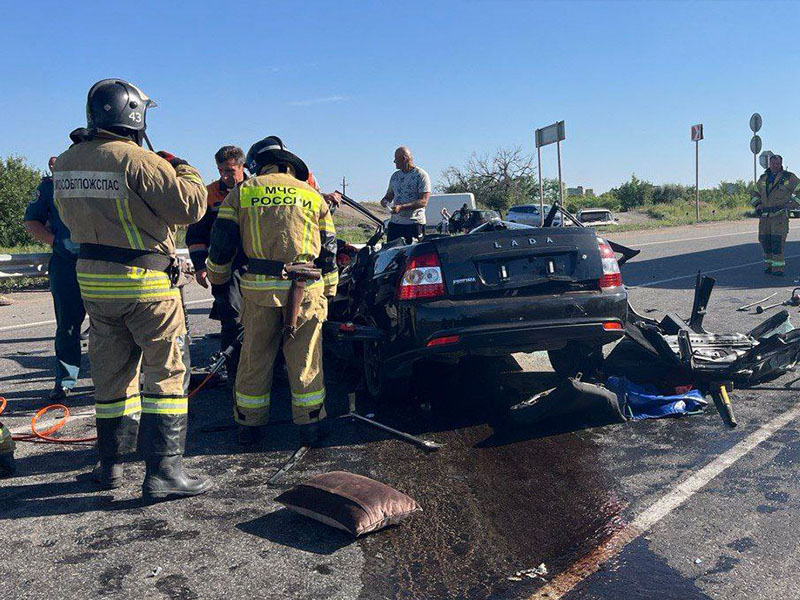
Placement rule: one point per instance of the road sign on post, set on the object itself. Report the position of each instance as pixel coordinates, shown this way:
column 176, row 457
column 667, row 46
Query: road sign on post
column 755, row 142
column 552, row 134
column 763, row 158
column 697, row 135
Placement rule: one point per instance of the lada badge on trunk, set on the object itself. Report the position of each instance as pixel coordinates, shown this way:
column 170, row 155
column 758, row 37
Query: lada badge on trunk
column 516, row 243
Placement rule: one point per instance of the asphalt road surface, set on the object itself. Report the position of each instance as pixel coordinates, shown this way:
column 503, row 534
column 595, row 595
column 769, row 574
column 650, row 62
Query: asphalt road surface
column 670, row 509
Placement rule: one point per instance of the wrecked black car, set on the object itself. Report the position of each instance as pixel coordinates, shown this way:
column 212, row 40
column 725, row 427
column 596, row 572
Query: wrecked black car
column 499, row 289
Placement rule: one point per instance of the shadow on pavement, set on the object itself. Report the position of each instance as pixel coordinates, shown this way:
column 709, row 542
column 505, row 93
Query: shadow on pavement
column 290, row 529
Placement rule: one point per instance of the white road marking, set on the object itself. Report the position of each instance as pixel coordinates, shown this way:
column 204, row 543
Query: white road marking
column 203, row 301
column 24, row 325
column 706, row 237
column 52, row 322
column 564, row 582
column 679, row 277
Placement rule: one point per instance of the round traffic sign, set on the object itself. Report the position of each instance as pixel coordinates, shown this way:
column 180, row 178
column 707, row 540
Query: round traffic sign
column 755, row 123
column 755, row 144
column 763, row 158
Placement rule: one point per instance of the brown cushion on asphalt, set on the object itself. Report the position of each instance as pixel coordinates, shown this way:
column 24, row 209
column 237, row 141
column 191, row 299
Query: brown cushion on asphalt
column 350, row 502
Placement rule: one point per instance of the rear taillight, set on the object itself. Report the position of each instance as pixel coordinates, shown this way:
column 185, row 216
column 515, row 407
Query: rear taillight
column 422, row 278
column 443, row 341
column 611, row 276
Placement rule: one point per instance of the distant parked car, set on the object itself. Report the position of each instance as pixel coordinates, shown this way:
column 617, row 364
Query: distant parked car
column 528, row 214
column 596, row 216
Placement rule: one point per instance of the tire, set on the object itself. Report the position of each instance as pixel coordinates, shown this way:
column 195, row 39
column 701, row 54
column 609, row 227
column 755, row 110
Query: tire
column 379, row 387
column 576, row 357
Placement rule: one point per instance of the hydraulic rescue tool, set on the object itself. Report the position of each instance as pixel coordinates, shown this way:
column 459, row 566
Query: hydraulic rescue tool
column 794, row 300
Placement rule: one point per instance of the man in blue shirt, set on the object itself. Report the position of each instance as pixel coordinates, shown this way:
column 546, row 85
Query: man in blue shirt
column 44, row 224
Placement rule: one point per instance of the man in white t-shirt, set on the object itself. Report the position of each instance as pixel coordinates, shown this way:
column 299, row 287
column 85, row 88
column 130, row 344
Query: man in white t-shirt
column 407, row 197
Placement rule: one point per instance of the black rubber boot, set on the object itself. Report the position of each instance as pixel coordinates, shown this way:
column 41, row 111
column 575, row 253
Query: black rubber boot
column 165, row 478
column 109, row 473
column 313, row 433
column 246, row 435
column 162, row 440
column 115, row 438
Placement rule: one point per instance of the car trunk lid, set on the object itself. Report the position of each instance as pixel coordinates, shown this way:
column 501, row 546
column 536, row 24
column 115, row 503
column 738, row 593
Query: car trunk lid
column 531, row 260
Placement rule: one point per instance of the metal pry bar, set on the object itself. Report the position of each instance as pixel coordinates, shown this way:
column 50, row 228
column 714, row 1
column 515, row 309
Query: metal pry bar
column 752, row 304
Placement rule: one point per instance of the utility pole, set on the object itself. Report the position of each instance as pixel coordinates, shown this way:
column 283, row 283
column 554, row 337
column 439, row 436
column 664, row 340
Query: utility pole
column 344, row 185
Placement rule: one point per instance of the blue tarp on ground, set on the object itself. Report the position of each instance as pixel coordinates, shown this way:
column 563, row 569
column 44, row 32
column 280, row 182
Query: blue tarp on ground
column 644, row 402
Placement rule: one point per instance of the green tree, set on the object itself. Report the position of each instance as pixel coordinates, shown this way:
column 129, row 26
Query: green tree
column 633, row 193
column 499, row 181
column 18, row 181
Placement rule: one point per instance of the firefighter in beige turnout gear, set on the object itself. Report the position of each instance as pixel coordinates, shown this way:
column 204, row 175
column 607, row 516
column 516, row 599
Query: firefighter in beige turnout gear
column 285, row 228
column 772, row 199
column 122, row 203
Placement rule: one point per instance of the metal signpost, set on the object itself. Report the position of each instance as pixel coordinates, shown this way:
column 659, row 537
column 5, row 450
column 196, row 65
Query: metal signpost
column 697, row 135
column 755, row 141
column 552, row 134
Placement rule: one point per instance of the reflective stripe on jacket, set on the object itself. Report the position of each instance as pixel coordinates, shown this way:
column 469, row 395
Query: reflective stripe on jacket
column 275, row 217
column 110, row 191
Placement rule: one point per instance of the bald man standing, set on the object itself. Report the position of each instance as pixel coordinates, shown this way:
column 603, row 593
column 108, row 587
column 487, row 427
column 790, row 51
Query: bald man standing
column 407, row 197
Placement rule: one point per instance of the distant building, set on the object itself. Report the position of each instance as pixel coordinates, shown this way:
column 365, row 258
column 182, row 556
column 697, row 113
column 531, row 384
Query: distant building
column 580, row 191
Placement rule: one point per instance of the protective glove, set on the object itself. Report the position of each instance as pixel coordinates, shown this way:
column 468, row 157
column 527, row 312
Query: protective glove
column 171, row 159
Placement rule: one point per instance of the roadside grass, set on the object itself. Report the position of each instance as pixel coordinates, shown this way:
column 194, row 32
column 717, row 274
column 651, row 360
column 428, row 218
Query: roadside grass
column 683, row 213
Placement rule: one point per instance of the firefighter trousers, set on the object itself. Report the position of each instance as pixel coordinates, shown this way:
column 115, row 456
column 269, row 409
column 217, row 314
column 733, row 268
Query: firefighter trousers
column 263, row 336
column 124, row 338
column 772, row 231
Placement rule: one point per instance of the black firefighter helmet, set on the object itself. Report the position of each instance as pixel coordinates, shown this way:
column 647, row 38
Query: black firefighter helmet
column 271, row 151
column 116, row 104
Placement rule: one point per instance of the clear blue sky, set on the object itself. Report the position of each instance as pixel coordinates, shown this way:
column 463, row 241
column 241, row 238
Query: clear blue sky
column 344, row 83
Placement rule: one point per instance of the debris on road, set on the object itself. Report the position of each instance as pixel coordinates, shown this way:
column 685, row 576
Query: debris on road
column 154, row 572
column 287, row 466
column 350, row 502
column 426, row 444
column 746, row 306
column 794, row 300
column 639, row 402
column 677, row 351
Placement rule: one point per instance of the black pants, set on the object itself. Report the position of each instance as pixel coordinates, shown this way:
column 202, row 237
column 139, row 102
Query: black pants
column 405, row 231
column 68, row 306
column 227, row 309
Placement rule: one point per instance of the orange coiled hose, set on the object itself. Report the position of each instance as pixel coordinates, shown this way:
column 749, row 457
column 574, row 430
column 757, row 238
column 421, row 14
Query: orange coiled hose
column 45, row 436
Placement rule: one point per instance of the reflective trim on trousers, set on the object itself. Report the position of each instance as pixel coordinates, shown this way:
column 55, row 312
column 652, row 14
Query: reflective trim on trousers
column 129, row 286
column 245, row 401
column 170, row 405
column 266, row 282
column 118, row 408
column 309, row 399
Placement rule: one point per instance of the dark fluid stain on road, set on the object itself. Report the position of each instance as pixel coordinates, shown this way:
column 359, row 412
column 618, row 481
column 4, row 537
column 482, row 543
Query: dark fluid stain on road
column 143, row 530
column 176, row 587
column 488, row 511
column 743, row 544
column 637, row 574
column 111, row 579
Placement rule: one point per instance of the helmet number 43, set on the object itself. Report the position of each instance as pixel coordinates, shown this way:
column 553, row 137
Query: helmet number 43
column 136, row 117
